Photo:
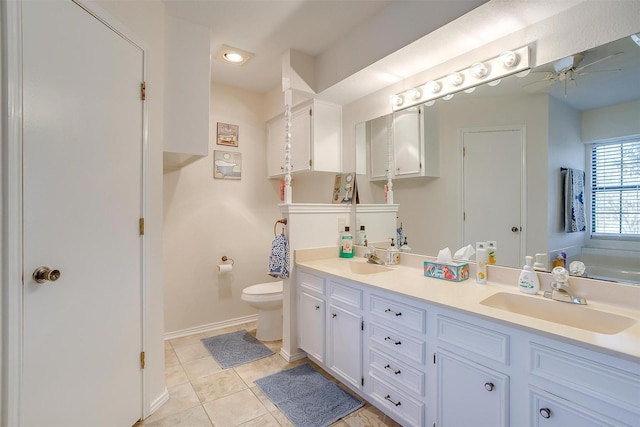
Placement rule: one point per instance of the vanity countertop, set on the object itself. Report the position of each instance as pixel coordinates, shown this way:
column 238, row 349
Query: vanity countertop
column 466, row 296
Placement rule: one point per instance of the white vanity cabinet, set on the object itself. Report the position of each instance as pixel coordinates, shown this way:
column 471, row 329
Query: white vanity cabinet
column 414, row 145
column 311, row 315
column 345, row 330
column 316, row 139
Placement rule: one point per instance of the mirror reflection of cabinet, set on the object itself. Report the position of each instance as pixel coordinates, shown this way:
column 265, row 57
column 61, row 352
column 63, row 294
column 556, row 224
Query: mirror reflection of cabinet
column 316, row 139
column 414, row 145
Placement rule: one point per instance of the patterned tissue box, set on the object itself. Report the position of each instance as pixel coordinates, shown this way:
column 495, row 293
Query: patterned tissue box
column 454, row 272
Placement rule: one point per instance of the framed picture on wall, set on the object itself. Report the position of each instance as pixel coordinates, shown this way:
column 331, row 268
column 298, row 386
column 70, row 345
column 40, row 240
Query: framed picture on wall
column 227, row 164
column 227, row 134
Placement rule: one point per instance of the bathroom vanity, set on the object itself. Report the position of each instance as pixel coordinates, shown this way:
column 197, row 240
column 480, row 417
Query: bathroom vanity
column 429, row 352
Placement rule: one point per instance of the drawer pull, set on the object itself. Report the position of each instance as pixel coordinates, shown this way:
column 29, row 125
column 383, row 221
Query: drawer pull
column 489, row 386
column 389, row 368
column 392, row 340
column 317, row 307
column 387, row 397
column 545, row 412
column 388, row 310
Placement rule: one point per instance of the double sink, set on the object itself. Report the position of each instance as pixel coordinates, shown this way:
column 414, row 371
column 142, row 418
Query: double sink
column 553, row 311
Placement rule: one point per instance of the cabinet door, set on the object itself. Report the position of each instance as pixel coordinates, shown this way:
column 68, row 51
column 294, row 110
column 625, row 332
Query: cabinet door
column 470, row 394
column 275, row 147
column 300, row 139
column 548, row 410
column 379, row 148
column 407, row 145
column 345, row 345
column 311, row 325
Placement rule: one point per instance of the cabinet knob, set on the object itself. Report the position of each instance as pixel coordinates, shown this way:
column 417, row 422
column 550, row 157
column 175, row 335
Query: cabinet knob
column 545, row 412
column 489, row 386
column 317, row 307
column 333, row 315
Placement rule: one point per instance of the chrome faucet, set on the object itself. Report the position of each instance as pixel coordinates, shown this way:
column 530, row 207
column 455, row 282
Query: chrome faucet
column 560, row 290
column 372, row 257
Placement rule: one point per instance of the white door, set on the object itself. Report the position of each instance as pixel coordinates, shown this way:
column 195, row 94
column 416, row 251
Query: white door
column 492, row 179
column 83, row 123
column 345, row 345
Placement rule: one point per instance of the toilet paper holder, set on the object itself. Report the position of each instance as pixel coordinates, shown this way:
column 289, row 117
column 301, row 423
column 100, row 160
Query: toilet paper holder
column 226, row 258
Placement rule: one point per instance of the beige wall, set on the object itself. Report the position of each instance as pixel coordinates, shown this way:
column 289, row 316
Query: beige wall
column 206, row 218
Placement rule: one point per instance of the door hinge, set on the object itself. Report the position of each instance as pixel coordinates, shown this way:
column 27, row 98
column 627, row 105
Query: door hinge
column 142, row 361
column 143, row 91
column 434, row 358
column 362, row 325
column 141, row 226
column 310, row 163
column 311, row 111
column 362, row 381
column 464, row 151
column 464, row 216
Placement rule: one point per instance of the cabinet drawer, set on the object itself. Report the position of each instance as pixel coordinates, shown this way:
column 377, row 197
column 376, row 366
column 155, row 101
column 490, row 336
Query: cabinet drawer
column 396, row 373
column 397, row 344
column 311, row 282
column 398, row 314
column 346, row 295
column 606, row 383
column 548, row 410
column 475, row 339
column 396, row 402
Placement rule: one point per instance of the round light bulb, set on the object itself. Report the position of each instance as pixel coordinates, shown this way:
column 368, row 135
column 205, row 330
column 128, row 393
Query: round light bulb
column 470, row 90
column 479, row 70
column 455, row 79
column 397, row 100
column 233, row 57
column 414, row 94
column 433, row 86
column 447, row 97
column 494, row 82
column 509, row 59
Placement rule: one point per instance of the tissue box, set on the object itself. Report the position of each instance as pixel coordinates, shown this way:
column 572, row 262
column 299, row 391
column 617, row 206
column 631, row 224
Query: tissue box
column 454, row 272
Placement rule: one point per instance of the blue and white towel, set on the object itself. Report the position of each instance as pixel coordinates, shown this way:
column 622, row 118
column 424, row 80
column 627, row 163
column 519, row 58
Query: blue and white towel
column 574, row 212
column 279, row 259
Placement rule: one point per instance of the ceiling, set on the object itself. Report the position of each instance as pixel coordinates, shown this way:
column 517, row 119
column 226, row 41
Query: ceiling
column 268, row 28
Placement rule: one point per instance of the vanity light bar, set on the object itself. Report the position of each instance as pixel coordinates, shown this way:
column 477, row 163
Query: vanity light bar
column 507, row 63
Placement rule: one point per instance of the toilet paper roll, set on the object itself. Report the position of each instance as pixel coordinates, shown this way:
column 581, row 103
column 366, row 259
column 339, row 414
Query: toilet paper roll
column 224, row 268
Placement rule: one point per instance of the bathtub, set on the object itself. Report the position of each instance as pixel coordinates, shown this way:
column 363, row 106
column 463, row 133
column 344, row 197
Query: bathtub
column 616, row 274
column 612, row 265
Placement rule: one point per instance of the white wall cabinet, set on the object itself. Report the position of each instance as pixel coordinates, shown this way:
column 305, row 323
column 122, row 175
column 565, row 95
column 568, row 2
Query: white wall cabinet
column 414, row 144
column 316, row 139
column 426, row 365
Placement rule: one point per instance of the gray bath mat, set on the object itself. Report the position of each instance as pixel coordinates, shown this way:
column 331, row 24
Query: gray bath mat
column 235, row 348
column 307, row 397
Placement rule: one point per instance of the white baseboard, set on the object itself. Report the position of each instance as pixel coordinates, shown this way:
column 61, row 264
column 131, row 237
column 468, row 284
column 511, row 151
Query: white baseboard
column 298, row 355
column 210, row 327
column 156, row 404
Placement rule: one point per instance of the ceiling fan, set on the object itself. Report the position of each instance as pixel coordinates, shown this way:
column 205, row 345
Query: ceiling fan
column 565, row 71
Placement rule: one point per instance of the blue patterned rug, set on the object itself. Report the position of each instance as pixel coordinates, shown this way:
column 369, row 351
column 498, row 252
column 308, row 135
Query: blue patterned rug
column 235, row 348
column 307, row 397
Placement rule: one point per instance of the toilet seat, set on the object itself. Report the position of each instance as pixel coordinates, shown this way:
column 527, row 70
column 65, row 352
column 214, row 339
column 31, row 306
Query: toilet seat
column 268, row 288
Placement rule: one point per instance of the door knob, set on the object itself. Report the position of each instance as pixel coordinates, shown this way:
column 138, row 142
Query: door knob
column 45, row 274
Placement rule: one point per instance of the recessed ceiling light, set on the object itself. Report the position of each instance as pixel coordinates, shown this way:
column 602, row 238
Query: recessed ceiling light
column 233, row 55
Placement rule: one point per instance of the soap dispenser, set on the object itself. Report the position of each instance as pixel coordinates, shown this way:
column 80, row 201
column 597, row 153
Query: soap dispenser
column 405, row 246
column 393, row 255
column 528, row 281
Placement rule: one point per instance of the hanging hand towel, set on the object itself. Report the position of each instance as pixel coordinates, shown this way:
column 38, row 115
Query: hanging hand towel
column 574, row 212
column 279, row 259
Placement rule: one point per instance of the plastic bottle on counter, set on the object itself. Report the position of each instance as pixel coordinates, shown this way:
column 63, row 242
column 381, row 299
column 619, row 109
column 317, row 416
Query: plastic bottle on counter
column 346, row 244
column 393, row 255
column 482, row 257
column 528, row 281
column 405, row 247
column 362, row 237
column 492, row 248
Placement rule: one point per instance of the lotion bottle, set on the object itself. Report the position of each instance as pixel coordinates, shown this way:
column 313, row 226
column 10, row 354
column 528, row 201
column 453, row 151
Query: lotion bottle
column 393, row 255
column 482, row 257
column 346, row 244
column 528, row 281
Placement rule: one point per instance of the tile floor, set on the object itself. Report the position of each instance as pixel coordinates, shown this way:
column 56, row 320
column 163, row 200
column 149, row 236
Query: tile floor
column 202, row 394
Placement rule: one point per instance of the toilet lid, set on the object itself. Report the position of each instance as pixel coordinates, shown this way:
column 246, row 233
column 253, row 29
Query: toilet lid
column 264, row 288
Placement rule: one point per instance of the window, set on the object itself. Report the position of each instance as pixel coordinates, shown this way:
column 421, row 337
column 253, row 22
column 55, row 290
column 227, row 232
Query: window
column 615, row 188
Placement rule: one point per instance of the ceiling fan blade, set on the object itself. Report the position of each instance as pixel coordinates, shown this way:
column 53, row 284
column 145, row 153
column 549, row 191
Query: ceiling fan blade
column 597, row 61
column 584, row 73
column 537, row 86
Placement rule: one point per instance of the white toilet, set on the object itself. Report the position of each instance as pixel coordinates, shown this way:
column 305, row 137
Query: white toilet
column 267, row 299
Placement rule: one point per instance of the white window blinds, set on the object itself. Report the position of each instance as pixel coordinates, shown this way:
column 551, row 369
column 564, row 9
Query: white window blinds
column 615, row 188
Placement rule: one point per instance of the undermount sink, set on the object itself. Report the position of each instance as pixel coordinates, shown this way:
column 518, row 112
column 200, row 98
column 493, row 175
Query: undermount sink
column 367, row 268
column 559, row 312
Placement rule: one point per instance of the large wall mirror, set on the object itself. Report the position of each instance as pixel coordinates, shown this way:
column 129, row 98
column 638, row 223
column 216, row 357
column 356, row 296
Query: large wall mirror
column 503, row 154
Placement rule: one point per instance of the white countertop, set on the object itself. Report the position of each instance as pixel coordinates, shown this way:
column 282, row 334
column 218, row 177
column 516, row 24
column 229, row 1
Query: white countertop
column 409, row 280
